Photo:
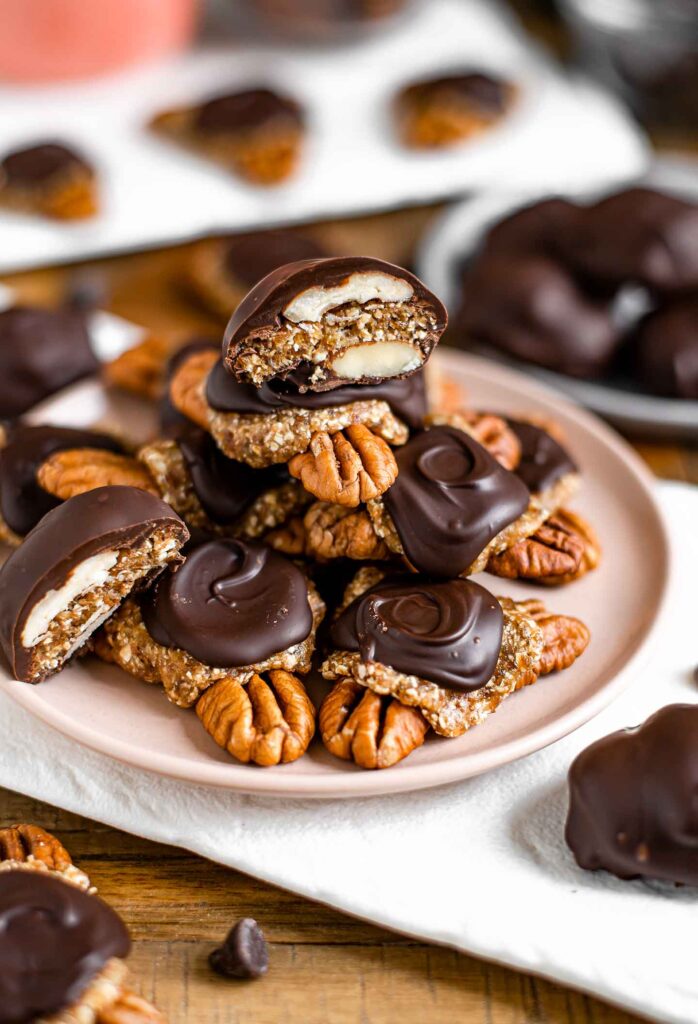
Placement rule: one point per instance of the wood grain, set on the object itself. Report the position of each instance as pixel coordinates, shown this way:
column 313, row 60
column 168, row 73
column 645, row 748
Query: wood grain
column 326, row 968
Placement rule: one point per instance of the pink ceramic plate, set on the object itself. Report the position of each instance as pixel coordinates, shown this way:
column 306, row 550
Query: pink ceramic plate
column 107, row 710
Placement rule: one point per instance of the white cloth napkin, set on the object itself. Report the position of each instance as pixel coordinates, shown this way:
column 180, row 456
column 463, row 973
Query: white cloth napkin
column 479, row 865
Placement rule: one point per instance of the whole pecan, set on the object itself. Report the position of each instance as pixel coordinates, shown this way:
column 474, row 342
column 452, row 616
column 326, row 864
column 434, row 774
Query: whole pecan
column 19, row 842
column 491, row 431
column 347, row 467
column 563, row 549
column 565, row 638
column 267, row 723
column 334, row 531
column 76, row 470
column 373, row 731
column 187, row 386
column 289, row 538
column 130, row 1009
column 141, row 369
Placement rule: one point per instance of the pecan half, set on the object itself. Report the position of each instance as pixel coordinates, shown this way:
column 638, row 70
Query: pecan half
column 333, row 531
column 130, row 1009
column 347, row 467
column 141, row 369
column 564, row 638
column 76, row 470
column 491, row 431
column 289, row 538
column 187, row 386
column 374, row 732
column 19, row 842
column 563, row 549
column 267, row 723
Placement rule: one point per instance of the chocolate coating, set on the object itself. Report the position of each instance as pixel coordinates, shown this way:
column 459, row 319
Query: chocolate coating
column 41, row 351
column 485, row 92
column 22, row 501
column 224, row 487
column 449, row 633
column 54, row 940
column 667, row 349
column 531, row 308
column 36, row 165
column 543, row 460
column 231, row 604
column 637, row 235
column 406, row 396
column 100, row 520
column 249, row 258
column 531, row 229
column 242, row 111
column 633, row 800
column 261, row 309
column 450, row 499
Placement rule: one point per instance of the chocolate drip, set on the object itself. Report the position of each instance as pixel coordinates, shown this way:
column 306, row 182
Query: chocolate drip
column 633, row 800
column 543, row 460
column 406, row 396
column 106, row 519
column 249, row 258
column 447, row 633
column 231, row 604
column 37, row 164
column 241, row 111
column 41, row 351
column 54, row 940
column 224, row 487
column 22, row 501
column 450, row 499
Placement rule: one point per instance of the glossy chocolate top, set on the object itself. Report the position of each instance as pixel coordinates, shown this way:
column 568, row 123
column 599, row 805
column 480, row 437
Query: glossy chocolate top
column 485, row 92
column 54, row 940
column 531, row 229
column 231, row 604
column 543, row 460
column 450, row 499
column 667, row 349
column 261, row 309
column 224, row 487
column 22, row 501
column 635, row 235
column 406, row 396
column 532, row 308
column 449, row 633
column 633, row 800
column 38, row 164
column 249, row 258
column 41, row 351
column 105, row 519
column 250, row 108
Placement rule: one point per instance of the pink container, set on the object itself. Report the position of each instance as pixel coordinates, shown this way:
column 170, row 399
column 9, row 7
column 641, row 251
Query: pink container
column 44, row 40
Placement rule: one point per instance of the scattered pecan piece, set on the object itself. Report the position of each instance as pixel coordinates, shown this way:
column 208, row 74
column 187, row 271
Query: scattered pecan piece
column 563, row 549
column 19, row 842
column 334, row 531
column 130, row 1009
column 76, row 470
column 187, row 386
column 141, row 369
column 289, row 538
column 347, row 467
column 565, row 638
column 267, row 723
column 374, row 732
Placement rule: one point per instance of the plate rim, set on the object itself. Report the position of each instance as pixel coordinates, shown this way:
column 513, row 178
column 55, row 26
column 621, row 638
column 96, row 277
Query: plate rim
column 411, row 777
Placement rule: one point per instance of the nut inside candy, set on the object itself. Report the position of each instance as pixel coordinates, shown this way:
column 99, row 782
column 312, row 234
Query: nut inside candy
column 382, row 359
column 313, row 303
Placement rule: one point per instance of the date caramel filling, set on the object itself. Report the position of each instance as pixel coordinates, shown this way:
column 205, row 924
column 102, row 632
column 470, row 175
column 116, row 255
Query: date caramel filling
column 230, row 604
column 450, row 499
column 449, row 633
column 406, row 396
column 543, row 460
column 54, row 940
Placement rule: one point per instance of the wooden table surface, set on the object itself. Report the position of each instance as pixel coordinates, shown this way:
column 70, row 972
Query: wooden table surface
column 326, row 968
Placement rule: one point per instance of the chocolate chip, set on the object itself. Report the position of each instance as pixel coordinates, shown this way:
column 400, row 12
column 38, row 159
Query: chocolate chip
column 244, row 953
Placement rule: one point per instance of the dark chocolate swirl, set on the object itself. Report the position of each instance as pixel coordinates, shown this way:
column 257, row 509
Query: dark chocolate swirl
column 406, row 397
column 54, row 940
column 450, row 499
column 22, row 501
column 224, row 487
column 449, row 633
column 231, row 604
column 543, row 460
